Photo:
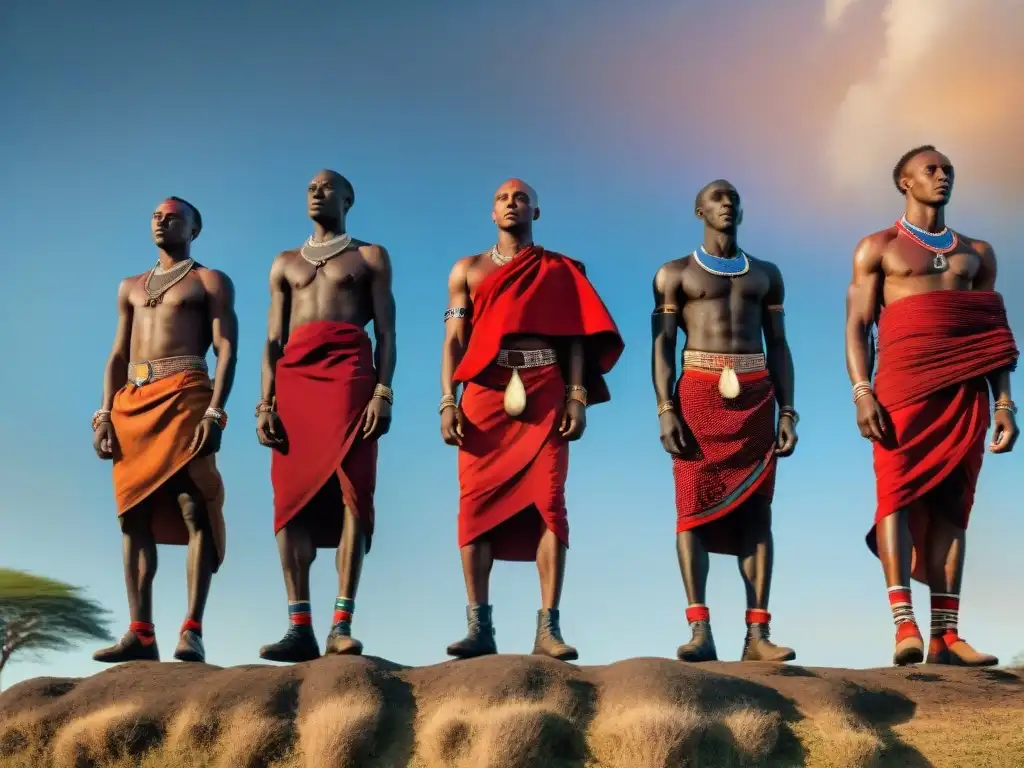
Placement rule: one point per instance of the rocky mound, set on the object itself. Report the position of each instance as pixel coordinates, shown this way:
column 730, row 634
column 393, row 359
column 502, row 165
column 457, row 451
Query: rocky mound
column 513, row 712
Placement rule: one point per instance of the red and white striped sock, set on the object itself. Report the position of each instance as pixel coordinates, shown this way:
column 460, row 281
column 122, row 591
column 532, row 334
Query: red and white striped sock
column 902, row 610
column 945, row 613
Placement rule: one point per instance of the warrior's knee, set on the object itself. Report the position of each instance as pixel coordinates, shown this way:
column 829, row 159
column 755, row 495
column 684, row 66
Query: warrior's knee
column 192, row 513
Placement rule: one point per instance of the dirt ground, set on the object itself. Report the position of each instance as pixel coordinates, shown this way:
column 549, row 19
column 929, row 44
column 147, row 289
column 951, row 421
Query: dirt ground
column 511, row 711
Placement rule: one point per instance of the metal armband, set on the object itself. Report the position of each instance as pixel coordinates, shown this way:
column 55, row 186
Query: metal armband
column 455, row 313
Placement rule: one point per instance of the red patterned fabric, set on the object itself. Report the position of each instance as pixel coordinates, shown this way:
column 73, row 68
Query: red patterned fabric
column 934, row 351
column 324, row 382
column 730, row 457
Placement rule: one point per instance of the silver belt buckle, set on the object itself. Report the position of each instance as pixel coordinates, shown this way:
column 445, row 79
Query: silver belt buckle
column 141, row 373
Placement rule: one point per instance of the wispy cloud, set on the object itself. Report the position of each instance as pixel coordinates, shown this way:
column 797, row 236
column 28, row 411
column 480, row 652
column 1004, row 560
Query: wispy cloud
column 950, row 75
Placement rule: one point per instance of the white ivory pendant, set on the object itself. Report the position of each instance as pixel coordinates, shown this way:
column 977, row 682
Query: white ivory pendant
column 515, row 395
column 729, row 383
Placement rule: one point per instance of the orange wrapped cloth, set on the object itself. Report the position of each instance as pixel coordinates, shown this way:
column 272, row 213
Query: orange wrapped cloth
column 512, row 472
column 154, row 426
column 934, row 351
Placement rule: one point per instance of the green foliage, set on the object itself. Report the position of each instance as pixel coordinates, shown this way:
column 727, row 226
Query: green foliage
column 38, row 614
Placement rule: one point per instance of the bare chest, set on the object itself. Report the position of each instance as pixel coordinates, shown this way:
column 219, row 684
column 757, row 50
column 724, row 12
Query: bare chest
column 904, row 258
column 343, row 273
column 698, row 284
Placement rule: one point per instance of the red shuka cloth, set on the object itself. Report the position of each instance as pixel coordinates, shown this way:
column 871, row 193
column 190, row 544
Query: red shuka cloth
column 510, row 466
column 730, row 455
column 323, row 383
column 934, row 351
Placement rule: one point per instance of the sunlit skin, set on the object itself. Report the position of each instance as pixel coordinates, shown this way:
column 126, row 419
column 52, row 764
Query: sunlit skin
column 887, row 268
column 727, row 315
column 515, row 207
column 193, row 315
column 353, row 287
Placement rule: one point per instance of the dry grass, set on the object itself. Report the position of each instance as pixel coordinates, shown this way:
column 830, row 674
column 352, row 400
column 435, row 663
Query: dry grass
column 462, row 733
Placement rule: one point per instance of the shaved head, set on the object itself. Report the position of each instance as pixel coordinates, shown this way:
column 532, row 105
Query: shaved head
column 340, row 182
column 707, row 188
column 513, row 185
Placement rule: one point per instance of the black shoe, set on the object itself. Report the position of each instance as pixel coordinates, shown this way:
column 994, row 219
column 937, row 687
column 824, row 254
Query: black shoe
column 298, row 644
column 479, row 641
column 131, row 647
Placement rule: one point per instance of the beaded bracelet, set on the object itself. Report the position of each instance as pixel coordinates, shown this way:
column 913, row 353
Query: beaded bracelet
column 384, row 393
column 218, row 415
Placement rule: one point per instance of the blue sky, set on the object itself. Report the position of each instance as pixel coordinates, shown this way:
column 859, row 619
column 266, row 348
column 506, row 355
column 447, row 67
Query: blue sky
column 617, row 118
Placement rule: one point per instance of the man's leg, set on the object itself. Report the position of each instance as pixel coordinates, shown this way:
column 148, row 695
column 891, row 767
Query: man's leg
column 477, row 561
column 895, row 550
column 694, row 565
column 295, row 546
column 140, row 560
column 756, row 561
column 350, row 566
column 200, row 560
column 551, row 569
column 946, row 547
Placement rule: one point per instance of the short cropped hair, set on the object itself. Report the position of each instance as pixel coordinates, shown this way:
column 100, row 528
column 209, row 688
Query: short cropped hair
column 901, row 164
column 700, row 195
column 197, row 217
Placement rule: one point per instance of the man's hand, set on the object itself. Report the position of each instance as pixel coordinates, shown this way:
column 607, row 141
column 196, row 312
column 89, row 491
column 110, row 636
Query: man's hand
column 207, row 438
column 1004, row 435
column 376, row 418
column 451, row 425
column 268, row 429
column 786, row 441
column 870, row 418
column 103, row 440
column 574, row 420
column 671, row 429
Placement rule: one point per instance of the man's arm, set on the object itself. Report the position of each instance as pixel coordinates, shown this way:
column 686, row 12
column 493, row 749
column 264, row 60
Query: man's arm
column 386, row 350
column 985, row 280
column 862, row 300
column 277, row 328
column 456, row 326
column 778, row 355
column 664, row 330
column 116, row 371
column 220, row 293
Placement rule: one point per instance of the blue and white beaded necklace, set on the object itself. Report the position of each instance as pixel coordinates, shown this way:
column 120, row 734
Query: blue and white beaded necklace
column 723, row 266
column 939, row 243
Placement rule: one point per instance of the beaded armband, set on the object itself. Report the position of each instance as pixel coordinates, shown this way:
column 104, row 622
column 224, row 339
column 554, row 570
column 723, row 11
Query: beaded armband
column 455, row 313
column 776, row 308
column 665, row 309
column 384, row 393
column 577, row 393
column 218, row 415
column 100, row 417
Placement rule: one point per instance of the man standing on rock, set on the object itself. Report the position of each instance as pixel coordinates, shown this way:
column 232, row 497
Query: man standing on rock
column 530, row 339
column 326, row 399
column 163, row 427
column 719, row 425
column 943, row 342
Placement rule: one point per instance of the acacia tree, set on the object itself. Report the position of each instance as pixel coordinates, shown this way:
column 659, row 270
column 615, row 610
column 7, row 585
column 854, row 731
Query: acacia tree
column 38, row 614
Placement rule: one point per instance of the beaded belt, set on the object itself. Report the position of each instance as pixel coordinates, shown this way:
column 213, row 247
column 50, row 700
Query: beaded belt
column 715, row 362
column 526, row 358
column 148, row 371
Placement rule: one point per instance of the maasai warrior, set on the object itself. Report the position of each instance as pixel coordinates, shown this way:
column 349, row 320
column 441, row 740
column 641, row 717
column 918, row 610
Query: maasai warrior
column 530, row 339
column 326, row 399
column 163, row 427
column 719, row 424
column 943, row 340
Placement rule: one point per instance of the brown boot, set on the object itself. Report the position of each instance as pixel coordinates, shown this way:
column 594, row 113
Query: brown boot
column 549, row 640
column 479, row 641
column 341, row 642
column 757, row 646
column 190, row 647
column 701, row 646
column 131, row 647
column 909, row 645
column 951, row 649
